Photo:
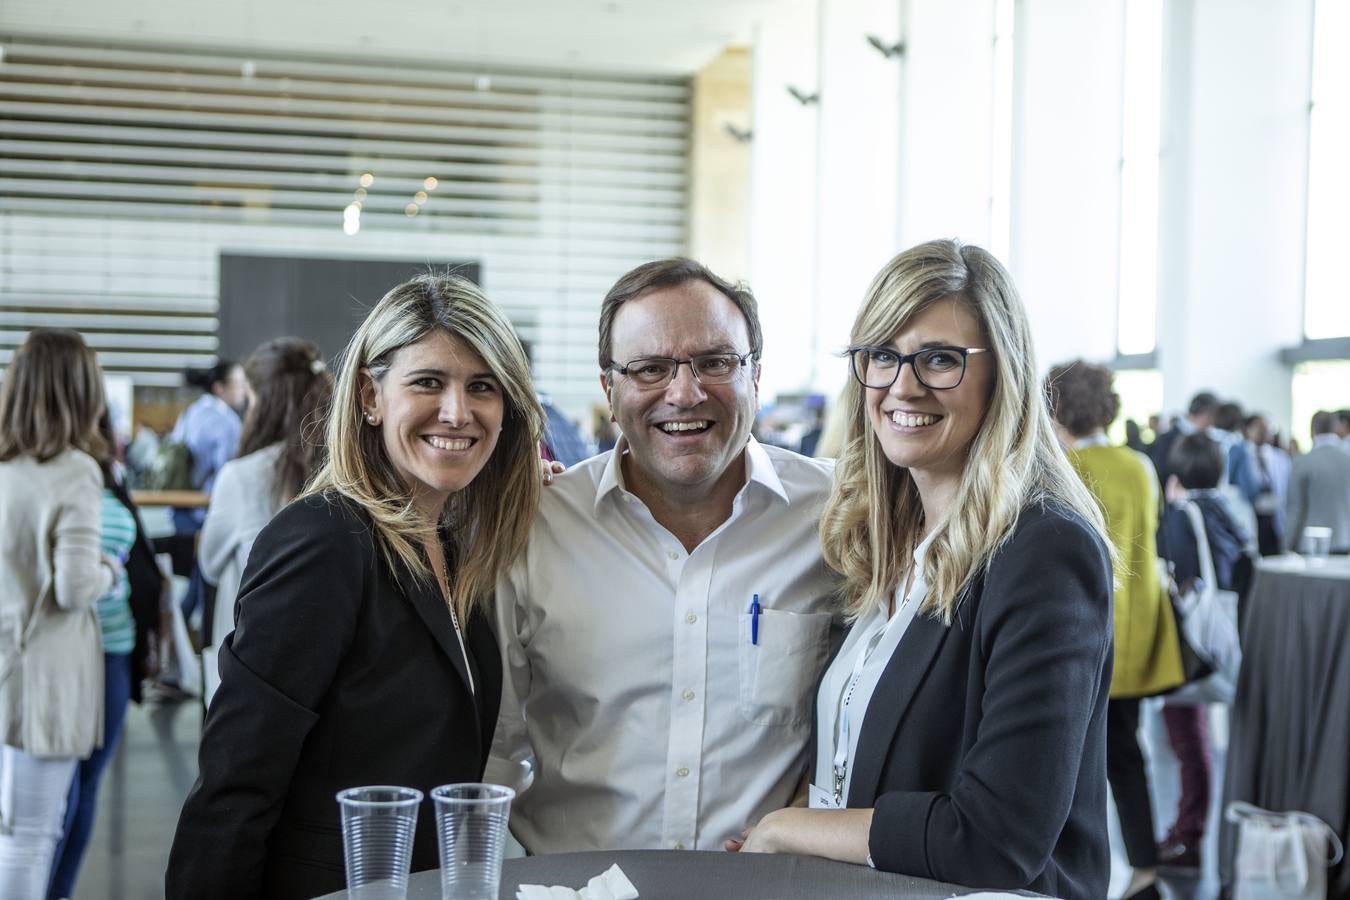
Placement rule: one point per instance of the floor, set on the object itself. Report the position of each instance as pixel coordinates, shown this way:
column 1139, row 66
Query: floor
column 1164, row 786
column 143, row 789
column 157, row 762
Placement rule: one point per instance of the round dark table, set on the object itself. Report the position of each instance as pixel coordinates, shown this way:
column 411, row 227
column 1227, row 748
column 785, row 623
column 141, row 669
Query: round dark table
column 1290, row 723
column 707, row 875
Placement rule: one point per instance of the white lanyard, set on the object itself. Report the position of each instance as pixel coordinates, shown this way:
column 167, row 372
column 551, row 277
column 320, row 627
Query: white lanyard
column 841, row 734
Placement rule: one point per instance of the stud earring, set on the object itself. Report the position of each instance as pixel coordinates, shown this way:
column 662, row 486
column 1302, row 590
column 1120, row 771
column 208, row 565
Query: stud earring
column 371, row 420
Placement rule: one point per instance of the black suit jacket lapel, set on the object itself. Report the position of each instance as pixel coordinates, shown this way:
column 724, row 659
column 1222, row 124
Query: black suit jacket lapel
column 899, row 684
column 429, row 602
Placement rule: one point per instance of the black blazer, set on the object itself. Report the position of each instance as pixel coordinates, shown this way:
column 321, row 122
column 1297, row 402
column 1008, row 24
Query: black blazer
column 340, row 672
column 983, row 750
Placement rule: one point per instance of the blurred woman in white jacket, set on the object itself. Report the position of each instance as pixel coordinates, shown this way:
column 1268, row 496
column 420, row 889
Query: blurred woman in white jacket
column 289, row 390
column 52, row 569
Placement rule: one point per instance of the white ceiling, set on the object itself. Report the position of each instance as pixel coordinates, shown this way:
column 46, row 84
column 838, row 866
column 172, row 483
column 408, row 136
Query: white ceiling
column 653, row 36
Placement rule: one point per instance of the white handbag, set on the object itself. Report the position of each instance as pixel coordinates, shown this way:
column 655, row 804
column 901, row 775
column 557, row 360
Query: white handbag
column 1207, row 619
column 1281, row 856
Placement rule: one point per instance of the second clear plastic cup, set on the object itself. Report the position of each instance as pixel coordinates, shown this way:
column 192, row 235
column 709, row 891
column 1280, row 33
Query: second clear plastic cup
column 1316, row 544
column 378, row 824
column 471, row 824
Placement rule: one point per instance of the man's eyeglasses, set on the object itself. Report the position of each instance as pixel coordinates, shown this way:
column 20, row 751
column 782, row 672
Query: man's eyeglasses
column 658, row 371
column 937, row 368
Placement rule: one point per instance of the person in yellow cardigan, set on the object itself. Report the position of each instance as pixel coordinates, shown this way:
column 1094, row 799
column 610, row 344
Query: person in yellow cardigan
column 1147, row 652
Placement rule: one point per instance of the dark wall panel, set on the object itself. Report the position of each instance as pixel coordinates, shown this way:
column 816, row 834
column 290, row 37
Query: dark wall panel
column 320, row 299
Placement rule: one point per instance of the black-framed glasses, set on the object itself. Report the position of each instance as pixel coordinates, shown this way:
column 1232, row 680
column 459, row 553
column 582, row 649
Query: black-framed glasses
column 937, row 368
column 658, row 371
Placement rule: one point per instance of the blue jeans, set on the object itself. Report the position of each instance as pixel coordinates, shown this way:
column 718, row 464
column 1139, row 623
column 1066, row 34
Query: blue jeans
column 80, row 805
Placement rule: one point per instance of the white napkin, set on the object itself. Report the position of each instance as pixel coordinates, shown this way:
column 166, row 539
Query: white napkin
column 611, row 884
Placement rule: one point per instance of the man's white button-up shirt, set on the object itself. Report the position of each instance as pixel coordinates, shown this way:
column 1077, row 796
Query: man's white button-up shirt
column 651, row 717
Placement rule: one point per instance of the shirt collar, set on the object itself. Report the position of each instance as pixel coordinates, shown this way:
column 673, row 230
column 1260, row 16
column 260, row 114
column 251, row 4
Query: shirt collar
column 919, row 589
column 217, row 405
column 922, row 550
column 1096, row 439
column 758, row 469
column 1328, row 438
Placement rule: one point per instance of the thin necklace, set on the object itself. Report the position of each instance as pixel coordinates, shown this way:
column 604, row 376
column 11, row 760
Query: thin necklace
column 444, row 584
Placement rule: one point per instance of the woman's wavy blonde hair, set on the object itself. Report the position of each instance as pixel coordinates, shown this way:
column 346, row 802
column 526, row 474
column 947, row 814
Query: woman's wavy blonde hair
column 483, row 526
column 874, row 517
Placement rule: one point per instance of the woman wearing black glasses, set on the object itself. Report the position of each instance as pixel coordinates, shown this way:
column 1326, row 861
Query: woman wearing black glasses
column 961, row 727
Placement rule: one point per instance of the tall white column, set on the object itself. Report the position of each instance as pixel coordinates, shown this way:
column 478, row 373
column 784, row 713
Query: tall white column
column 1233, row 226
column 859, row 150
column 783, row 215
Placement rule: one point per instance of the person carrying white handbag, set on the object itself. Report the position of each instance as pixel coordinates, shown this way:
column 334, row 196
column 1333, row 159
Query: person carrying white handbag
column 1207, row 552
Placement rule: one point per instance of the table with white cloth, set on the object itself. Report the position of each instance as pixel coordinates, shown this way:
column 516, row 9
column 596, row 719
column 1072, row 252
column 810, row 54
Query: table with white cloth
column 708, row 875
column 1289, row 747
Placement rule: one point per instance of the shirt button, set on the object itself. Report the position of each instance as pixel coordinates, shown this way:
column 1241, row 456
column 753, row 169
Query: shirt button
column 688, row 694
column 691, row 618
column 682, row 772
column 673, row 555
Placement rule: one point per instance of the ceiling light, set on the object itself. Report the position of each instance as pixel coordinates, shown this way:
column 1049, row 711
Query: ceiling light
column 420, row 197
column 360, row 193
column 411, row 209
column 430, row 182
column 367, row 179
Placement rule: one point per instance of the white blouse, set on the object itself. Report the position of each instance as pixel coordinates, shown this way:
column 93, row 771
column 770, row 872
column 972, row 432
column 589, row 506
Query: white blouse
column 846, row 690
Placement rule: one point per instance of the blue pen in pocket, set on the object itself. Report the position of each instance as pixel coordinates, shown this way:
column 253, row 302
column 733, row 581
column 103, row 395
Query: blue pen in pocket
column 754, row 620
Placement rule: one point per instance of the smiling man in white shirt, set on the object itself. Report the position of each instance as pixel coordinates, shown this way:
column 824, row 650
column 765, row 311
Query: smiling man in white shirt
column 647, row 702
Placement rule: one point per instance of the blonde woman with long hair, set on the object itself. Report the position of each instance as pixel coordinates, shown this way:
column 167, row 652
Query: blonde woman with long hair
column 362, row 651
column 961, row 727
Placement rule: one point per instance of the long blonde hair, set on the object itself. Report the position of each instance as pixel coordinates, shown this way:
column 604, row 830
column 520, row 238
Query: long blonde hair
column 484, row 525
column 874, row 517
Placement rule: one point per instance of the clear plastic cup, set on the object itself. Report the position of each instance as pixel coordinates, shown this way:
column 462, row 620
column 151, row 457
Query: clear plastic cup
column 378, row 824
column 471, row 832
column 1316, row 544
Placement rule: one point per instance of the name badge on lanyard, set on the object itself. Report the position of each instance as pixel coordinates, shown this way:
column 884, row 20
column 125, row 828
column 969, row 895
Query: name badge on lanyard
column 819, row 798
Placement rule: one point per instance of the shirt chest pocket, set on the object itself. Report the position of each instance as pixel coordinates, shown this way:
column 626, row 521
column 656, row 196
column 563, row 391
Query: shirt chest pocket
column 780, row 671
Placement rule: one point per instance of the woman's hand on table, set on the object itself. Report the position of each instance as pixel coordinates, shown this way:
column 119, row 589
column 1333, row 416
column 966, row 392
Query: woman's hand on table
column 763, row 838
column 840, row 834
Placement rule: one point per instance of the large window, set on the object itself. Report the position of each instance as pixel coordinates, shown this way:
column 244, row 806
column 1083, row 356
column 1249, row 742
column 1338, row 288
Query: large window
column 1317, row 385
column 1326, row 291
column 1321, row 384
column 1141, row 396
column 1141, row 117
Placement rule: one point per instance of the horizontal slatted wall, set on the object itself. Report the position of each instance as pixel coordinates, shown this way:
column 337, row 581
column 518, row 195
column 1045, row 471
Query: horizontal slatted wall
column 126, row 170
